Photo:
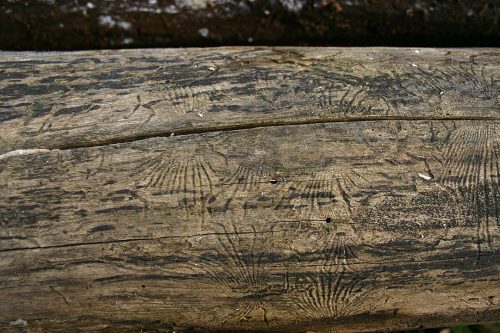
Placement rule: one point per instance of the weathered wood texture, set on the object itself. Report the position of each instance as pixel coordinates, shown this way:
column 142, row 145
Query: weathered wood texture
column 65, row 100
column 95, row 24
column 303, row 189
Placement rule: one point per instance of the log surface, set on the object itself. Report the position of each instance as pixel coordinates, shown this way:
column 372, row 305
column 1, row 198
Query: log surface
column 285, row 189
column 97, row 24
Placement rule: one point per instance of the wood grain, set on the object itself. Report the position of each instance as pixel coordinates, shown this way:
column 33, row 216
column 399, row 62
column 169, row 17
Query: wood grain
column 291, row 205
column 65, row 100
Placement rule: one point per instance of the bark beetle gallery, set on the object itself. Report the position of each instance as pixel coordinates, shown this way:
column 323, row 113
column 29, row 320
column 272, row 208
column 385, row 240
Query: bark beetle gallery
column 283, row 189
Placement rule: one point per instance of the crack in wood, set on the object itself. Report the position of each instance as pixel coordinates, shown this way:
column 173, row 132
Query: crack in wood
column 239, row 127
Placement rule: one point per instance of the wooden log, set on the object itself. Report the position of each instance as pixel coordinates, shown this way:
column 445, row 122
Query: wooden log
column 279, row 189
column 97, row 24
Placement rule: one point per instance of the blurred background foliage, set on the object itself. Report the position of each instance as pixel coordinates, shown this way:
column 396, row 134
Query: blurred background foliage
column 486, row 328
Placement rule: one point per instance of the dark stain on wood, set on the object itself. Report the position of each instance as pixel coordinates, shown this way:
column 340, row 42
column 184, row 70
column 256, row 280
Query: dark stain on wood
column 249, row 189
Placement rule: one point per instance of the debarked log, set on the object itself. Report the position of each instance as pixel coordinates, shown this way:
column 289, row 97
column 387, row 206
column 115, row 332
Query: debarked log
column 267, row 189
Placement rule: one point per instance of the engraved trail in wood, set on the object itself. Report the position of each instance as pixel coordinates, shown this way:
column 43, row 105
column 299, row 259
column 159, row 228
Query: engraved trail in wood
column 249, row 189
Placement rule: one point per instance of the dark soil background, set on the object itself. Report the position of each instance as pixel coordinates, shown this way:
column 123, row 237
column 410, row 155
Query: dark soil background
column 97, row 24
